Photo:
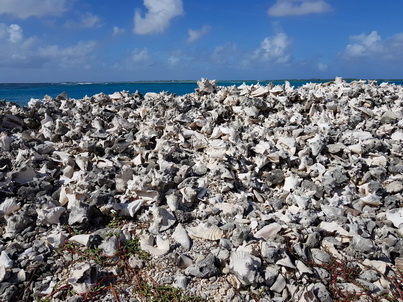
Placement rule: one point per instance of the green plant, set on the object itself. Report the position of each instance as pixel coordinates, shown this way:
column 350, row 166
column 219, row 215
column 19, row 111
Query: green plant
column 343, row 271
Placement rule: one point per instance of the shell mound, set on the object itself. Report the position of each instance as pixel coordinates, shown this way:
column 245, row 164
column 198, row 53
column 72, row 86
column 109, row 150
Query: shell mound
column 231, row 190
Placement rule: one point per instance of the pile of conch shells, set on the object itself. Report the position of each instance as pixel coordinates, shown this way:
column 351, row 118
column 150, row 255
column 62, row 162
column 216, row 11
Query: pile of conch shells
column 230, row 189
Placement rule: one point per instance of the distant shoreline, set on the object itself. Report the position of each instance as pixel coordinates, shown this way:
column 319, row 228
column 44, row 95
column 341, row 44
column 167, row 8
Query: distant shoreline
column 195, row 81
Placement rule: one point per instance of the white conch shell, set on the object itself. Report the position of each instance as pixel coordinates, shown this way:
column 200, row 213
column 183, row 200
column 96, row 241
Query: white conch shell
column 25, row 175
column 5, row 260
column 83, row 278
column 316, row 144
column 83, row 239
column 147, row 244
column 8, row 206
column 82, row 161
column 206, row 231
column 56, row 239
column 244, row 266
column 5, row 141
column 129, row 209
column 291, row 182
column 397, row 135
column 268, row 231
column 181, row 236
column 286, row 261
column 396, row 216
column 260, row 91
column 50, row 215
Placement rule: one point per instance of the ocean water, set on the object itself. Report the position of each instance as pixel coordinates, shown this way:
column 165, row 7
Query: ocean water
column 21, row 93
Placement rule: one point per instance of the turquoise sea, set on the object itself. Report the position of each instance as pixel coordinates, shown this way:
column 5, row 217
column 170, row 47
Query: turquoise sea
column 21, row 93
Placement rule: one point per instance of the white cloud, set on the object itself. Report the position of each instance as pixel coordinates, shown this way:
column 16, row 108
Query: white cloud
column 373, row 46
column 117, row 30
column 23, row 9
column 274, row 49
column 322, row 66
column 158, row 17
column 20, row 52
column 195, row 34
column 365, row 45
column 71, row 55
column 87, row 20
column 284, row 8
column 15, row 32
column 173, row 60
column 140, row 55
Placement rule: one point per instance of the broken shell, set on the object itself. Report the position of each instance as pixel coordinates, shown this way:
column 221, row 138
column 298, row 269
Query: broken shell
column 181, row 236
column 245, row 267
column 8, row 206
column 268, row 231
column 206, row 231
column 83, row 239
column 147, row 244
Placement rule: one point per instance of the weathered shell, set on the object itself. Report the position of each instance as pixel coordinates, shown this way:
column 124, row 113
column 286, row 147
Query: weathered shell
column 244, row 266
column 83, row 278
column 5, row 260
column 24, row 175
column 291, row 182
column 399, row 264
column 206, row 231
column 50, row 215
column 83, row 239
column 147, row 244
column 181, row 236
column 268, row 231
column 5, row 142
column 56, row 239
column 8, row 206
column 129, row 209
column 396, row 216
column 183, row 261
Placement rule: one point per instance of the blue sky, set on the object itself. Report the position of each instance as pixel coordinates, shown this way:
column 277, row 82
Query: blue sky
column 132, row 40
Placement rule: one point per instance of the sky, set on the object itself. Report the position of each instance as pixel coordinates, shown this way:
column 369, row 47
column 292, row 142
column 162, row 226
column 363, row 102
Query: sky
column 143, row 40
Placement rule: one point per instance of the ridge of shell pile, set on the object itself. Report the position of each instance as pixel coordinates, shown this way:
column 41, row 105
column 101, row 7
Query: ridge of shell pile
column 230, row 189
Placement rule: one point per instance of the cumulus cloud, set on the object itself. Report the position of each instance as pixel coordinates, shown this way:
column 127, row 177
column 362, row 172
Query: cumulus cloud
column 23, row 9
column 15, row 32
column 195, row 34
column 284, row 8
column 374, row 46
column 117, row 30
column 20, row 52
column 365, row 45
column 139, row 55
column 274, row 49
column 87, row 20
column 322, row 66
column 173, row 60
column 158, row 17
column 72, row 55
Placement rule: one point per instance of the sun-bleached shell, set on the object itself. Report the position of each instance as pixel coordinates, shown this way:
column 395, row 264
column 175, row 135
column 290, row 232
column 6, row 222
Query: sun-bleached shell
column 8, row 206
column 181, row 236
column 206, row 231
column 147, row 243
column 268, row 231
column 244, row 266
column 83, row 239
